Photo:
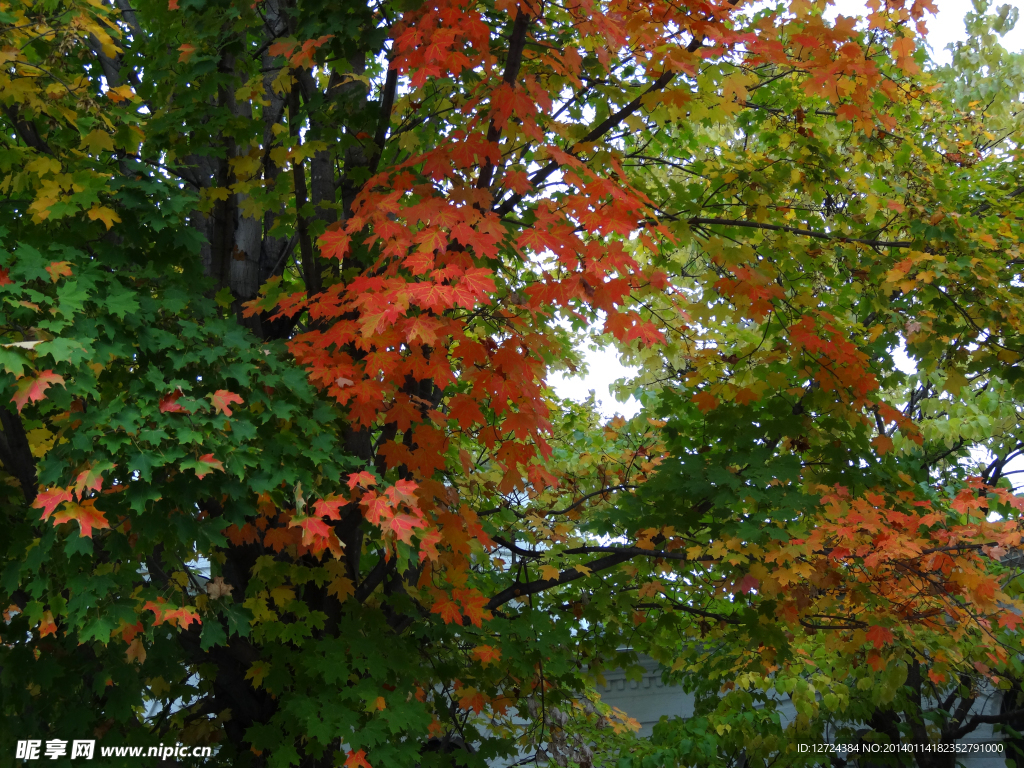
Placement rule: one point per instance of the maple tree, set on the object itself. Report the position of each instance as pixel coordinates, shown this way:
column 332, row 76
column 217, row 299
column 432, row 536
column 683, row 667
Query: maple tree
column 282, row 284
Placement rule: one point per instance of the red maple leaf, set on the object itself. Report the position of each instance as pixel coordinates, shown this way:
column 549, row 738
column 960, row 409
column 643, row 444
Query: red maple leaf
column 169, row 403
column 5, row 278
column 879, row 636
column 747, row 584
column 32, row 389
column 222, row 399
column 465, row 410
column 314, row 530
column 431, row 240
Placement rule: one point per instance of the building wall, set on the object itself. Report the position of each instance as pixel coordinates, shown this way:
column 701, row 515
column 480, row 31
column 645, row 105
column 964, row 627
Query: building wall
column 648, row 699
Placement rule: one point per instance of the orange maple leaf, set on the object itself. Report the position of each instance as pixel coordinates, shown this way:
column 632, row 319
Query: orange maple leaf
column 50, row 499
column 210, row 462
column 91, row 479
column 448, row 610
column 86, row 514
column 32, row 389
column 281, row 48
column 357, row 760
column 129, row 631
column 377, row 507
column 402, row 491
column 402, row 526
column 883, row 444
column 47, row 626
column 304, row 57
column 168, row 613
column 429, row 540
column 363, row 479
column 705, row 401
column 1011, row 620
column 746, row 396
column 334, row 244
column 487, row 654
column 473, row 605
column 280, row 538
column 330, row 507
column 136, row 651
column 222, row 399
column 58, row 269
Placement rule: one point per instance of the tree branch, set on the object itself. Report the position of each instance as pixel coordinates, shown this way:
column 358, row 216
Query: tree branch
column 516, row 44
column 795, row 230
column 604, row 126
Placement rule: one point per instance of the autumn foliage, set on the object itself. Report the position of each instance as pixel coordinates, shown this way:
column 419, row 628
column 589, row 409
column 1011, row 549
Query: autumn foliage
column 283, row 285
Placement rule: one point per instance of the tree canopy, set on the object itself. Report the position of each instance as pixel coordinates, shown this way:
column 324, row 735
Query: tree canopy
column 281, row 287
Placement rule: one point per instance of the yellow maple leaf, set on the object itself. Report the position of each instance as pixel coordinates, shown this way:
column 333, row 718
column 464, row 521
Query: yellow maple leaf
column 121, row 93
column 955, row 381
column 104, row 214
column 340, row 585
column 97, row 141
column 549, row 572
column 257, row 672
column 40, row 441
column 282, row 595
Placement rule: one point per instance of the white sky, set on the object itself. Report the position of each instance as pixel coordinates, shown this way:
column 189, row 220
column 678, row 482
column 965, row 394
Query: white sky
column 604, row 367
column 947, row 26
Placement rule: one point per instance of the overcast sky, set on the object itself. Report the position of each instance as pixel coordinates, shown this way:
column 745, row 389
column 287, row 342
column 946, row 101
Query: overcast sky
column 945, row 27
